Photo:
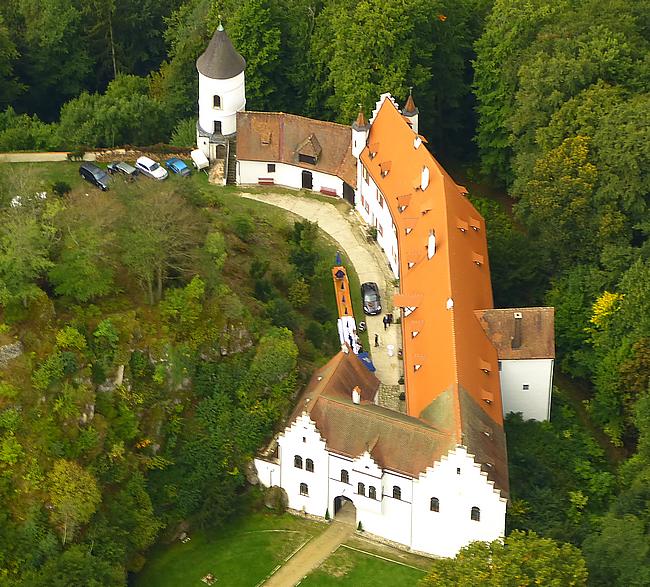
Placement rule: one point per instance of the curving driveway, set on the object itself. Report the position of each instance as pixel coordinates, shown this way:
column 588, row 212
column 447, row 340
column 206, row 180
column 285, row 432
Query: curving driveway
column 368, row 261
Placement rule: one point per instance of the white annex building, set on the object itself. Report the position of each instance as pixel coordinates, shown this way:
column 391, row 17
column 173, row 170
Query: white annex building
column 435, row 478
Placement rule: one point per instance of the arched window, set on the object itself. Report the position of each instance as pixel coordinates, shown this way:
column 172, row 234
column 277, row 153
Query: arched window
column 361, row 489
column 216, row 102
column 304, row 490
column 372, row 492
column 435, row 504
column 476, row 514
column 397, row 492
column 345, row 476
column 297, row 462
column 309, row 465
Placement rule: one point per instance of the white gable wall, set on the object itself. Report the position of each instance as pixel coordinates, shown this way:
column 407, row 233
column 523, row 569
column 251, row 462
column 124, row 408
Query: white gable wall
column 537, row 374
column 250, row 172
column 448, row 530
column 407, row 520
column 303, row 439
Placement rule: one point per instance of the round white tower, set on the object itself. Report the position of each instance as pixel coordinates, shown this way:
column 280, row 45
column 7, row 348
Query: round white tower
column 222, row 93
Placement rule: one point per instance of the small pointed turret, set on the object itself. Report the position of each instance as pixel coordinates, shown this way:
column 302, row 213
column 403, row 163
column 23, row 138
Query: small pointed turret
column 360, row 129
column 411, row 112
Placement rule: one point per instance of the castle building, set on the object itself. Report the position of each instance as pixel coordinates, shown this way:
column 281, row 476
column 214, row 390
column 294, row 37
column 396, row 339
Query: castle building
column 435, row 478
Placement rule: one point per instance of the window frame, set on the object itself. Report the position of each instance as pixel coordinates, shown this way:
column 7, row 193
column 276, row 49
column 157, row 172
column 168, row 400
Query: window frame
column 345, row 476
column 475, row 514
column 309, row 465
column 397, row 492
column 434, row 504
column 297, row 462
column 372, row 492
column 270, row 168
column 304, row 489
column 361, row 489
column 217, row 102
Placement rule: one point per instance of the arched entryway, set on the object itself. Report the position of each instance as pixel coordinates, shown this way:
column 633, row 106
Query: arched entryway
column 344, row 510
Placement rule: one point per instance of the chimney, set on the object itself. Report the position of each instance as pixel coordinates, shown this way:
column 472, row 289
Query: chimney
column 516, row 339
column 356, row 395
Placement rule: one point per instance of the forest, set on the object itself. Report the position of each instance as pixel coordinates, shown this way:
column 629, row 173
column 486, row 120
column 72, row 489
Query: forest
column 544, row 103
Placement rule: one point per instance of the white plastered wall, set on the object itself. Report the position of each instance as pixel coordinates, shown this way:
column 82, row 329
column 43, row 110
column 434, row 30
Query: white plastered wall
column 268, row 472
column 445, row 532
column 303, row 439
column 537, row 374
column 377, row 214
column 250, row 172
column 233, row 99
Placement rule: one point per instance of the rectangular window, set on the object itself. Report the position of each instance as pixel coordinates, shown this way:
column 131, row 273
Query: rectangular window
column 270, row 167
column 380, row 230
column 364, row 173
column 367, row 208
column 306, row 159
column 380, row 199
column 525, row 387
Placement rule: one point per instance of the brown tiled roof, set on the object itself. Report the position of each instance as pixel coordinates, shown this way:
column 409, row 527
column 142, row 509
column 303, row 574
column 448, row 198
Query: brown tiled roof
column 536, row 336
column 277, row 137
column 396, row 442
column 336, row 379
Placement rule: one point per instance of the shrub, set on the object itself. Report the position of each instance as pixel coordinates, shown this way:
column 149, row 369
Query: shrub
column 61, row 188
column 242, row 226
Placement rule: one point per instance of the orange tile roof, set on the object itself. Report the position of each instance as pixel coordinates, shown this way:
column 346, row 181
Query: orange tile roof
column 451, row 350
column 342, row 291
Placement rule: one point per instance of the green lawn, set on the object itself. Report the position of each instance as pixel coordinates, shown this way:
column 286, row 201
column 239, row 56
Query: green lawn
column 240, row 555
column 349, row 567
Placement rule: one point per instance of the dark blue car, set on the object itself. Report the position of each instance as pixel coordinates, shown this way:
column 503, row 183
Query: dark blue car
column 177, row 166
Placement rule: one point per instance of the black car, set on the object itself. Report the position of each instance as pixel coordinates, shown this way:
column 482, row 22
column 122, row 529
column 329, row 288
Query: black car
column 370, row 297
column 94, row 174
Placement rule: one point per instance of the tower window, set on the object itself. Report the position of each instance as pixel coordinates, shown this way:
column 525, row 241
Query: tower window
column 304, row 490
column 345, row 476
column 435, row 504
column 361, row 489
column 476, row 514
column 297, row 462
column 216, row 102
column 309, row 465
column 372, row 492
column 397, row 492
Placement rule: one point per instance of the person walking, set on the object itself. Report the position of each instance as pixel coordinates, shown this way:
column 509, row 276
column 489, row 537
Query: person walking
column 385, row 321
column 376, row 340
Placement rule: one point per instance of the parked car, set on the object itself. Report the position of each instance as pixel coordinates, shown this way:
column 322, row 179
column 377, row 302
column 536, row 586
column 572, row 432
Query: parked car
column 124, row 168
column 371, row 298
column 177, row 166
column 151, row 168
column 94, row 174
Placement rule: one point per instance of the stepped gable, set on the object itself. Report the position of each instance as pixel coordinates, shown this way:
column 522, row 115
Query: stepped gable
column 279, row 137
column 532, row 338
column 220, row 60
column 448, row 358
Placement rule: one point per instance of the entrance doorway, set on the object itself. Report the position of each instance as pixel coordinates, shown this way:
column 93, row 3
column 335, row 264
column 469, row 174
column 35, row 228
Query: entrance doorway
column 307, row 180
column 344, row 510
column 348, row 194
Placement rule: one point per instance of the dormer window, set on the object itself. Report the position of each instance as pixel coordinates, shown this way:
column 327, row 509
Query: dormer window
column 408, row 230
column 417, row 367
column 414, row 333
column 411, row 264
column 475, row 224
column 265, row 138
column 425, row 178
column 309, row 150
column 401, row 208
column 417, row 141
column 477, row 259
column 431, row 244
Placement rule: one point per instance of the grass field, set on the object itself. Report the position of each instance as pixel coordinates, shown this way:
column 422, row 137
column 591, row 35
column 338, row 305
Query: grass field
column 240, row 555
column 357, row 569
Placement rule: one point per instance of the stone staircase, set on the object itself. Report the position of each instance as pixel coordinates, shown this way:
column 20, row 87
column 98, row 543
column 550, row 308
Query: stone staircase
column 231, row 175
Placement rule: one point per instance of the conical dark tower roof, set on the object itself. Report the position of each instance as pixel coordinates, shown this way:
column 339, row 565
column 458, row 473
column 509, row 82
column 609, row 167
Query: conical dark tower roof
column 220, row 60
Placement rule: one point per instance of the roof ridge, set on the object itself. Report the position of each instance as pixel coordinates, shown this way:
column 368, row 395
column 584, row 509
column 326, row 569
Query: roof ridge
column 419, row 425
